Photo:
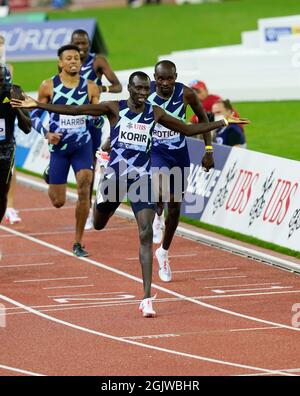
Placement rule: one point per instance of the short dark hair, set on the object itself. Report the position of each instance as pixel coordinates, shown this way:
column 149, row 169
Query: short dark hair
column 138, row 74
column 81, row 32
column 167, row 63
column 67, row 47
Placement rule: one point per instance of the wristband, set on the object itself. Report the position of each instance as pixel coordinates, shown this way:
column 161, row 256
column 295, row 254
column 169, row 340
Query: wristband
column 225, row 122
column 208, row 148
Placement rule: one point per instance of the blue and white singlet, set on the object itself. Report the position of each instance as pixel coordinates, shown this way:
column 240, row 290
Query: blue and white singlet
column 73, row 128
column 87, row 70
column 131, row 140
column 163, row 138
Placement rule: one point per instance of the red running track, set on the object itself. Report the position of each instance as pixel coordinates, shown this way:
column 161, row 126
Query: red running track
column 222, row 315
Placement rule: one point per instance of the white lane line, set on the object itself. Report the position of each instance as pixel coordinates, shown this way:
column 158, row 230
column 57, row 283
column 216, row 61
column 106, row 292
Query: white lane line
column 72, row 231
column 170, row 256
column 281, row 371
column 66, row 287
column 254, row 289
column 244, row 285
column 254, row 329
column 206, row 270
column 50, row 279
column 139, row 344
column 86, row 294
column 223, row 277
column 46, row 208
column 139, row 280
column 17, row 370
column 25, row 265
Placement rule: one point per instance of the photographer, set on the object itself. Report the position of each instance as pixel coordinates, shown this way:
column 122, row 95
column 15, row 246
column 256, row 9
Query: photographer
column 8, row 116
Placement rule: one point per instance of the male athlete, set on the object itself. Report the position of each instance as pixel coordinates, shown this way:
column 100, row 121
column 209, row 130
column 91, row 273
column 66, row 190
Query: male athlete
column 129, row 170
column 169, row 151
column 69, row 140
column 94, row 67
column 8, row 115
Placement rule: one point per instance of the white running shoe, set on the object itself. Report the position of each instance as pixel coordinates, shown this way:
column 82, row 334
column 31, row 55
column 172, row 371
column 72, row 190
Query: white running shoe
column 164, row 271
column 146, row 307
column 157, row 227
column 12, row 216
column 89, row 225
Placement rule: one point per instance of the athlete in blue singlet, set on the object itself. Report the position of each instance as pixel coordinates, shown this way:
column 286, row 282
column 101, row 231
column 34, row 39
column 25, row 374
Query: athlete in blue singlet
column 170, row 152
column 94, row 67
column 129, row 167
column 69, row 139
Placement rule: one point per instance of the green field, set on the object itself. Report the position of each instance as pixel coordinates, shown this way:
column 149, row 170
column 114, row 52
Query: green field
column 136, row 37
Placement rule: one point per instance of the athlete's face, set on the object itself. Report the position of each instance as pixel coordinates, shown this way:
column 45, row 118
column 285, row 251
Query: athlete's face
column 139, row 90
column 165, row 78
column 83, row 43
column 70, row 62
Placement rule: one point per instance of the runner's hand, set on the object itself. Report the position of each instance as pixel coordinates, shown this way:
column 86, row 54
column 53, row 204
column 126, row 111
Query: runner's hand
column 27, row 103
column 53, row 137
column 237, row 120
column 208, row 161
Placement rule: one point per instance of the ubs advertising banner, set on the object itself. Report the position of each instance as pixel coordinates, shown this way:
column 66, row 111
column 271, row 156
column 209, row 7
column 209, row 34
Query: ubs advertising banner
column 37, row 41
column 258, row 195
column 200, row 183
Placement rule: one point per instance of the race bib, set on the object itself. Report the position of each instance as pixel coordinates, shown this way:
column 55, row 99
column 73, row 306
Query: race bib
column 72, row 122
column 134, row 135
column 2, row 129
column 162, row 133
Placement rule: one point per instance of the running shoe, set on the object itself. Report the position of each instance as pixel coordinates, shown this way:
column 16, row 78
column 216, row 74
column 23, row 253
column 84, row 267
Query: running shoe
column 89, row 225
column 46, row 174
column 79, row 251
column 157, row 227
column 146, row 308
column 12, row 216
column 164, row 272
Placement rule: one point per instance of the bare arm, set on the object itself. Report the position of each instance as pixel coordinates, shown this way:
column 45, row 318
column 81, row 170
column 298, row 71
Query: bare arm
column 104, row 108
column 192, row 99
column 178, row 126
column 24, row 121
column 94, row 94
column 101, row 66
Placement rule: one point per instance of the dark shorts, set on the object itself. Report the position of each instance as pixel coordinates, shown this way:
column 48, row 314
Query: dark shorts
column 175, row 164
column 7, row 156
column 79, row 156
column 112, row 191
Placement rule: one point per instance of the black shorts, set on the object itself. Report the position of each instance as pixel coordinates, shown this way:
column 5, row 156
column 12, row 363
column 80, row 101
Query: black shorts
column 7, row 156
column 114, row 190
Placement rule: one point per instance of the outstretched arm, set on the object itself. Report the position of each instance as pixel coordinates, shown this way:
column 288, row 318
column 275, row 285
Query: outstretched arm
column 189, row 130
column 88, row 109
column 178, row 126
